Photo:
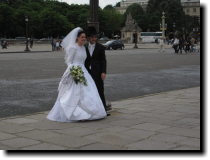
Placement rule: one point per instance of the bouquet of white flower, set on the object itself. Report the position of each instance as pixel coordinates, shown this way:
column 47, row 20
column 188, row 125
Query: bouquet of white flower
column 78, row 75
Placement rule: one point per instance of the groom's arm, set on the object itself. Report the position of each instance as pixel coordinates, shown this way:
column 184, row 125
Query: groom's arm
column 103, row 60
column 87, row 64
column 87, row 61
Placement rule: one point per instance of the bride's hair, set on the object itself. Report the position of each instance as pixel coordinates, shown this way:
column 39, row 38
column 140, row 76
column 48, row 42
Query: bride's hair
column 80, row 32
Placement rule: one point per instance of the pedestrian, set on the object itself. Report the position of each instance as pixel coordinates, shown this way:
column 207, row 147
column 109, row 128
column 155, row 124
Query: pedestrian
column 176, row 45
column 57, row 45
column 192, row 44
column 60, row 42
column 2, row 43
column 161, row 43
column 187, row 46
column 53, row 43
column 197, row 47
column 31, row 43
column 181, row 45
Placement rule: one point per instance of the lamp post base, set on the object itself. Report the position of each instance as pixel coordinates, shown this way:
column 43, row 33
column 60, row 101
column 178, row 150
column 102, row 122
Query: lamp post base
column 27, row 50
column 135, row 46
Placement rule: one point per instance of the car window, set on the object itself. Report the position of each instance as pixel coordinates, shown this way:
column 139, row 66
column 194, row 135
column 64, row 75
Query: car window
column 109, row 42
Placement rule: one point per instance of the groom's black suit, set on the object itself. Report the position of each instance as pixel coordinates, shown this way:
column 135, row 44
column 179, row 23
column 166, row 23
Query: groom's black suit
column 96, row 65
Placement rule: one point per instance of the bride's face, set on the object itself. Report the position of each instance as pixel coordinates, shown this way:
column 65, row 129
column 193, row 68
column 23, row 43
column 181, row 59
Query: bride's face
column 81, row 40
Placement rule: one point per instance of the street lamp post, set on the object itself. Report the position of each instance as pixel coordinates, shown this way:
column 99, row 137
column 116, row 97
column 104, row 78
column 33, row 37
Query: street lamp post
column 174, row 28
column 163, row 26
column 27, row 48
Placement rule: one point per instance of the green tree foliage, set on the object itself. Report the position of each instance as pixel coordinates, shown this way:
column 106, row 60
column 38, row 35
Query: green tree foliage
column 110, row 20
column 174, row 14
column 6, row 20
column 52, row 18
column 150, row 19
column 117, row 4
column 138, row 14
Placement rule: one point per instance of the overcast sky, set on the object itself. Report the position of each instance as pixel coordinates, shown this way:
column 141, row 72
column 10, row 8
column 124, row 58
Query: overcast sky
column 102, row 3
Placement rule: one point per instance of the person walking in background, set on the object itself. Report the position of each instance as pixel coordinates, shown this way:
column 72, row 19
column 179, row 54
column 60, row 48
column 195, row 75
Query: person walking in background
column 2, row 43
column 53, row 42
column 176, row 45
column 60, row 42
column 181, row 45
column 192, row 41
column 161, row 43
column 197, row 47
column 187, row 46
column 31, row 43
column 57, row 44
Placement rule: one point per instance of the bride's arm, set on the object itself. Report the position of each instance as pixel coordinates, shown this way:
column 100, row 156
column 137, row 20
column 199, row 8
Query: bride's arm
column 69, row 57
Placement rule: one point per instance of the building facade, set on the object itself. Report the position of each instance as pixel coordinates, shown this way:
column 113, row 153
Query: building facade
column 131, row 28
column 124, row 4
column 191, row 7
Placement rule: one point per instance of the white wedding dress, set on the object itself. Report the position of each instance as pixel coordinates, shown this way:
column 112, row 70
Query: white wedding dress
column 76, row 102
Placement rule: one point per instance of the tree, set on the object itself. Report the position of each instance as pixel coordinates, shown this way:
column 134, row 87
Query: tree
column 51, row 18
column 110, row 21
column 54, row 24
column 109, row 7
column 6, row 21
column 174, row 14
column 138, row 14
column 117, row 4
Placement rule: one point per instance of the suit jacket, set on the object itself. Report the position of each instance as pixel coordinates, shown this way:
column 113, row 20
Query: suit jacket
column 97, row 61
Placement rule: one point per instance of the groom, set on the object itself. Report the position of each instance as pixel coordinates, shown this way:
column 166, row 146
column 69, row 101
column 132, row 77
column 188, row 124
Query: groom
column 96, row 63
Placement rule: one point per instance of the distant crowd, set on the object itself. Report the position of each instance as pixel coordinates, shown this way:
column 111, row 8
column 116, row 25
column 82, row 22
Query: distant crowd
column 5, row 43
column 189, row 45
column 56, row 44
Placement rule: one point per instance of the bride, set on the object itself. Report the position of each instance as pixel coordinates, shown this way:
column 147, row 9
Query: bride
column 76, row 101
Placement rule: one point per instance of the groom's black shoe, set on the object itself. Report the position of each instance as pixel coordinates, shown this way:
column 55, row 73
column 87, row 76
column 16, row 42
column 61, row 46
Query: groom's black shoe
column 109, row 107
column 108, row 114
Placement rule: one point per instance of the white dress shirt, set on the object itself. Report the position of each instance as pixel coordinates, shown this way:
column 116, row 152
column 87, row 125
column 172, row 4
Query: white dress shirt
column 91, row 48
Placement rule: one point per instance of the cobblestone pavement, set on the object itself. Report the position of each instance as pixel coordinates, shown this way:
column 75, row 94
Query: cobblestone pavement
column 164, row 121
column 29, row 81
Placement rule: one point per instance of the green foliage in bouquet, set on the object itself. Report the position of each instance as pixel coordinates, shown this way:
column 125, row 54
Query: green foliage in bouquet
column 78, row 75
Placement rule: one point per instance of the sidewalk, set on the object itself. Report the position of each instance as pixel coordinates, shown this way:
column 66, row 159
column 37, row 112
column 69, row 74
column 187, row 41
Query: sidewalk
column 21, row 47
column 147, row 46
column 164, row 121
column 48, row 48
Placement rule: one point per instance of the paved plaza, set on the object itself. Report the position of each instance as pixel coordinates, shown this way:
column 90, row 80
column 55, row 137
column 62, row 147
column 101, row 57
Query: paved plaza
column 29, row 81
column 155, row 98
column 165, row 121
column 48, row 48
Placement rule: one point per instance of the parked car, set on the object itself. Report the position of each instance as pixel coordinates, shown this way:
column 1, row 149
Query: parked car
column 20, row 38
column 104, row 39
column 44, row 39
column 114, row 44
